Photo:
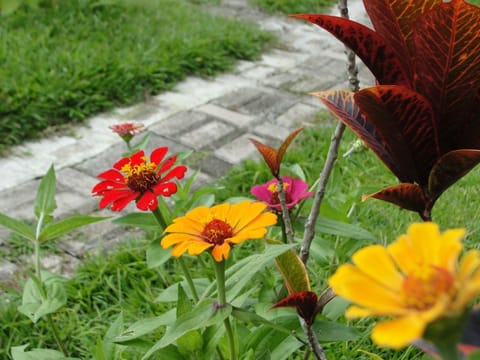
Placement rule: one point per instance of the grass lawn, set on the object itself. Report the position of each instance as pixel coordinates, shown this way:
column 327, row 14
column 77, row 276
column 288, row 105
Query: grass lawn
column 294, row 6
column 65, row 62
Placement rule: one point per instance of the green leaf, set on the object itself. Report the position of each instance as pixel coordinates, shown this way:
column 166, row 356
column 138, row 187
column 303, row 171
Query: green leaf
column 371, row 355
column 18, row 353
column 18, row 227
column 156, row 255
column 53, row 230
column 8, row 7
column 339, row 228
column 38, row 302
column 184, row 305
column 145, row 221
column 240, row 274
column 333, row 331
column 170, row 294
column 206, row 313
column 254, row 318
column 144, row 326
column 45, row 201
column 108, row 346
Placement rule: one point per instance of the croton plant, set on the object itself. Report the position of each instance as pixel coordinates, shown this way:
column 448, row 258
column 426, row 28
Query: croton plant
column 422, row 119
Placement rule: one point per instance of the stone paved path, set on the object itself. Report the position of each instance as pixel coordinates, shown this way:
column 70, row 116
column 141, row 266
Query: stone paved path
column 264, row 99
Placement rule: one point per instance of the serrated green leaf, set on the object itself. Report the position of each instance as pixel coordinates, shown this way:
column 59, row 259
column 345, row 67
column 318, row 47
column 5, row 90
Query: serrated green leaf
column 156, row 255
column 145, row 221
column 205, row 314
column 144, row 326
column 36, row 302
column 45, row 200
column 19, row 353
column 343, row 229
column 53, row 230
column 17, row 226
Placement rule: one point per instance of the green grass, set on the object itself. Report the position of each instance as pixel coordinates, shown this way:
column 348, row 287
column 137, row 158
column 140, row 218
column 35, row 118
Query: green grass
column 104, row 286
column 63, row 63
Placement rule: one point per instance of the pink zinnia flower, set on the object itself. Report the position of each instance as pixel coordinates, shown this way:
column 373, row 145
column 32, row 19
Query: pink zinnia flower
column 295, row 191
column 127, row 130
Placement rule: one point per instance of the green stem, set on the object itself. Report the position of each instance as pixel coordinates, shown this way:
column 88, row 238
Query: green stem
column 222, row 299
column 37, row 247
column 158, row 215
column 56, row 335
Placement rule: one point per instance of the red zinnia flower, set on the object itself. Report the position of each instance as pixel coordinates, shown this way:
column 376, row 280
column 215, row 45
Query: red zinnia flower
column 295, row 191
column 133, row 178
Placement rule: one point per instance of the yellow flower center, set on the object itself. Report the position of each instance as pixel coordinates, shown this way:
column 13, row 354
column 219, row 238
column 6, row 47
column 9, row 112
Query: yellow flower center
column 274, row 199
column 273, row 187
column 423, row 286
column 140, row 177
column 216, row 231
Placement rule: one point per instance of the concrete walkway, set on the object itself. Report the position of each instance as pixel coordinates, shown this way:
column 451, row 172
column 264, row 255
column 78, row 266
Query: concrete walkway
column 264, row 99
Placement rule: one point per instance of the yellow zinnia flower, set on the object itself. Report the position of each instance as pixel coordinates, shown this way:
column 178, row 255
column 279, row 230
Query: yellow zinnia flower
column 416, row 280
column 217, row 227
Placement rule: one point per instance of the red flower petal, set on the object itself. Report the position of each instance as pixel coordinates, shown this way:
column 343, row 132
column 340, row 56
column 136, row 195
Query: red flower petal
column 111, row 174
column 178, row 173
column 158, row 154
column 168, row 164
column 114, row 195
column 165, row 189
column 119, row 205
column 148, row 201
column 103, row 186
column 305, row 302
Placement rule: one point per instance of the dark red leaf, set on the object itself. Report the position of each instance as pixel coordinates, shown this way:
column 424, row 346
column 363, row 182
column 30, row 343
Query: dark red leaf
column 286, row 143
column 269, row 155
column 447, row 40
column 379, row 56
column 450, row 168
column 407, row 196
column 305, row 302
column 342, row 104
column 394, row 20
column 404, row 121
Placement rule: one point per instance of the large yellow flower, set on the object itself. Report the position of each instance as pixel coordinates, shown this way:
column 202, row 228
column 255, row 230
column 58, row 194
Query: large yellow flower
column 217, row 227
column 416, row 280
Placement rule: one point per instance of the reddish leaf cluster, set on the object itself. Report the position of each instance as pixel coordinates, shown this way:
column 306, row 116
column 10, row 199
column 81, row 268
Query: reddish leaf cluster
column 423, row 117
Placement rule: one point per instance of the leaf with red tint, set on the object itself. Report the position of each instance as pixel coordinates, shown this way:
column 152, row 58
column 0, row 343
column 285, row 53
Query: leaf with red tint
column 286, row 143
column 304, row 302
column 395, row 20
column 378, row 55
column 342, row 104
column 447, row 39
column 269, row 155
column 407, row 196
column 404, row 121
column 451, row 167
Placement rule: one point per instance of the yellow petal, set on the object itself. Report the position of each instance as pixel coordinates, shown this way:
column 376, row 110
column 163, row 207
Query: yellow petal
column 221, row 212
column 398, row 332
column 245, row 212
column 354, row 285
column 404, row 254
column 199, row 214
column 375, row 261
column 185, row 225
column 469, row 263
column 174, row 238
column 359, row 312
column 193, row 247
column 220, row 252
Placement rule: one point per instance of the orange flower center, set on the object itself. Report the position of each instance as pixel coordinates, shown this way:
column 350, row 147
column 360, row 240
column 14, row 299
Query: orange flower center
column 274, row 198
column 423, row 286
column 140, row 177
column 216, row 231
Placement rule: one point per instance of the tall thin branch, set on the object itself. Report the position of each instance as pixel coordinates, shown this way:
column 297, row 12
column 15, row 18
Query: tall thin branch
column 332, row 152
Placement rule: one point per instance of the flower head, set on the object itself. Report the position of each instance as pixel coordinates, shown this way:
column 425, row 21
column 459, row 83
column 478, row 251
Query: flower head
column 417, row 280
column 127, row 130
column 217, row 228
column 135, row 178
column 295, row 191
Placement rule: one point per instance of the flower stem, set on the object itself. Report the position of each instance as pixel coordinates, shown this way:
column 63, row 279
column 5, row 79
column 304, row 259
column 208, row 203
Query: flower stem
column 222, row 299
column 56, row 335
column 158, row 215
column 287, row 227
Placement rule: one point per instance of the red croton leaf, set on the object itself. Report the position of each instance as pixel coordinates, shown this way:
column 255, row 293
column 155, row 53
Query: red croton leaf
column 378, row 55
column 342, row 104
column 407, row 196
column 451, row 167
column 395, row 20
column 404, row 121
column 304, row 302
column 447, row 39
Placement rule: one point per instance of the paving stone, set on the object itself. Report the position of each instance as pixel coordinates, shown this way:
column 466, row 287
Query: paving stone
column 296, row 115
column 179, row 123
column 20, row 197
column 7, row 271
column 259, row 72
column 269, row 130
column 206, row 134
column 78, row 181
column 232, row 117
column 240, row 149
column 213, row 166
